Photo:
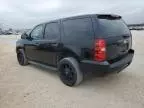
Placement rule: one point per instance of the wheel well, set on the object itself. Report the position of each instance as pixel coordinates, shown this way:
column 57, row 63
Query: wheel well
column 64, row 55
column 17, row 49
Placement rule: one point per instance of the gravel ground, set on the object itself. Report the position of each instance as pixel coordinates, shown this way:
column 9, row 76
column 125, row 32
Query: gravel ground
column 35, row 87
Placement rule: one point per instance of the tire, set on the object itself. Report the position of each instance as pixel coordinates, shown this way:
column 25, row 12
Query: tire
column 69, row 72
column 21, row 57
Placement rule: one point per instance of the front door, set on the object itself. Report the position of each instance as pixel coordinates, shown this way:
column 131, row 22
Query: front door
column 32, row 48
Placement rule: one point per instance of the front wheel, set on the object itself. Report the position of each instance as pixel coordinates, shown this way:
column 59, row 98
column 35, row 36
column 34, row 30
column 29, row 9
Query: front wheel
column 21, row 57
column 69, row 71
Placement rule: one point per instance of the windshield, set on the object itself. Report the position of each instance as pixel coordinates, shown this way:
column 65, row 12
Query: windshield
column 113, row 27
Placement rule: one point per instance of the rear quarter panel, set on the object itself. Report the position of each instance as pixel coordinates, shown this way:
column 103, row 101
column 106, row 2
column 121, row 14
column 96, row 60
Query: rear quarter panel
column 77, row 37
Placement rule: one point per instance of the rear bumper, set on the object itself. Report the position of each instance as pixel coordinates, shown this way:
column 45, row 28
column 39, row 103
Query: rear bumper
column 93, row 66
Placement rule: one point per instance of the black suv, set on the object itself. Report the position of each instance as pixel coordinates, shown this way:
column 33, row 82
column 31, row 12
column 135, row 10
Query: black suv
column 78, row 45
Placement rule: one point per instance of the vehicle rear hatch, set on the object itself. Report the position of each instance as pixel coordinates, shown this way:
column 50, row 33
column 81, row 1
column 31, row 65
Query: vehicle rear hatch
column 116, row 35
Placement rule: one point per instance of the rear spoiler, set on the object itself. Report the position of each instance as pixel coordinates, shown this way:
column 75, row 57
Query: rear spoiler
column 112, row 17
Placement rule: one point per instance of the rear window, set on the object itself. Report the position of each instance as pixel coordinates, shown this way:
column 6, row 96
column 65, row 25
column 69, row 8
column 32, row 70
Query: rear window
column 113, row 27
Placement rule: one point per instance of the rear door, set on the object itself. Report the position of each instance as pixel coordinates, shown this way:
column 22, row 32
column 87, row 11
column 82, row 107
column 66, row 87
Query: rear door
column 117, row 35
column 49, row 47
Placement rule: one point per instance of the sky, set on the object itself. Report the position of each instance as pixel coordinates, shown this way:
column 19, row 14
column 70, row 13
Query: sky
column 28, row 13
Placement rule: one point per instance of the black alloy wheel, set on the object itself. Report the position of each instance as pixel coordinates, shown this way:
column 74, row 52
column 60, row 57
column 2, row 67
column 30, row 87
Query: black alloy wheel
column 67, row 74
column 20, row 58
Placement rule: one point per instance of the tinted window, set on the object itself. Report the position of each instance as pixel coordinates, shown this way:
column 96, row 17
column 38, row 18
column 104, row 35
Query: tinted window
column 113, row 27
column 78, row 31
column 52, row 31
column 37, row 32
column 28, row 32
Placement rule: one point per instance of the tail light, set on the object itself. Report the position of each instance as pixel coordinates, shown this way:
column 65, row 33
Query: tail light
column 100, row 50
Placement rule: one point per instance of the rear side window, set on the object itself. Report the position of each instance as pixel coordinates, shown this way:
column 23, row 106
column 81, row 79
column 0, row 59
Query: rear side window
column 52, row 31
column 78, row 31
column 113, row 27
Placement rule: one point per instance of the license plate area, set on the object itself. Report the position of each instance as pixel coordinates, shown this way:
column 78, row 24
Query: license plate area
column 124, row 46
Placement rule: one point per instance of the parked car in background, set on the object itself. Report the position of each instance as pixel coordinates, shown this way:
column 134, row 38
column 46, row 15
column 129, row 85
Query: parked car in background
column 78, row 45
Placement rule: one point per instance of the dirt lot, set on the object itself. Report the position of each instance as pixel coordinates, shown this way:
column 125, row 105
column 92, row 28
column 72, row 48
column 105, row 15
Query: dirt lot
column 33, row 86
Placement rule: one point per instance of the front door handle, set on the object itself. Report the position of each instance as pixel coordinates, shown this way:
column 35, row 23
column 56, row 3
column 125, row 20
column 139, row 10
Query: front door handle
column 37, row 44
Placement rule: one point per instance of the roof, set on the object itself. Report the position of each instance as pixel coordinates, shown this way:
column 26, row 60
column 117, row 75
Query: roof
column 80, row 16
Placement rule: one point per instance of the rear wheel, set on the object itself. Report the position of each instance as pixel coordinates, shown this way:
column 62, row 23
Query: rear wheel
column 21, row 57
column 69, row 71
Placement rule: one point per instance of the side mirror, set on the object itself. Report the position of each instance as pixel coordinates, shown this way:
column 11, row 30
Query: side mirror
column 24, row 36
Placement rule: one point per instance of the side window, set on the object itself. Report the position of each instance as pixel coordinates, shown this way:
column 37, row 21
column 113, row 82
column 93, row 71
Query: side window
column 52, row 31
column 78, row 31
column 37, row 33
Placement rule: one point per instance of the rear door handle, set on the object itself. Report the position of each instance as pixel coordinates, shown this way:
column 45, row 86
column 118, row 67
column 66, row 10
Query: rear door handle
column 53, row 44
